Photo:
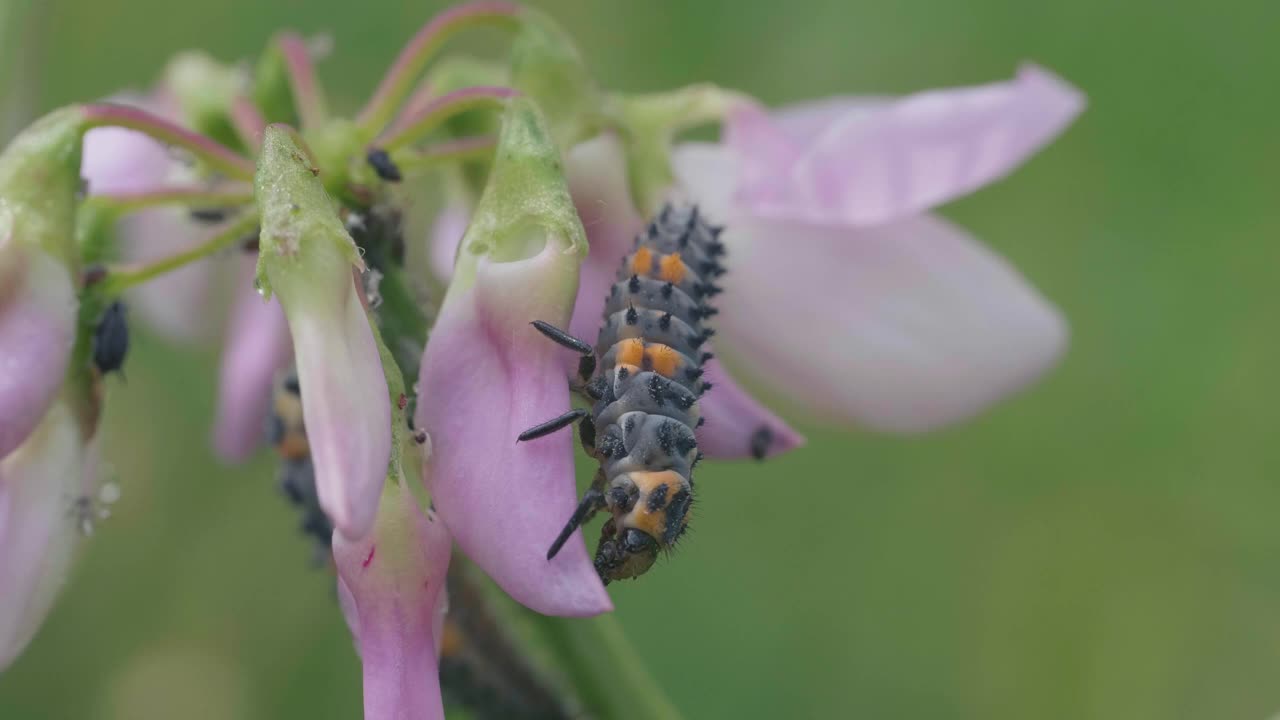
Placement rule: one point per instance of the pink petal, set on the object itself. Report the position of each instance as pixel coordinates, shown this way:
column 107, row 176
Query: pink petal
column 903, row 157
column 37, row 329
column 38, row 532
column 391, row 586
column 345, row 406
column 900, row 328
column 257, row 348
column 734, row 420
column 446, row 233
column 486, row 376
column 595, row 171
column 117, row 160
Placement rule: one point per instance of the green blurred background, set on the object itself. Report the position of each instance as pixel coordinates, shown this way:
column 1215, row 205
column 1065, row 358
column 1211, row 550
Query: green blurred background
column 1102, row 546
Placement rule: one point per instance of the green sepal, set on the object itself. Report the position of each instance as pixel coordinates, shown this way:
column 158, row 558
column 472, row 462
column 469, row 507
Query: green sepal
column 40, row 182
column 302, row 237
column 526, row 192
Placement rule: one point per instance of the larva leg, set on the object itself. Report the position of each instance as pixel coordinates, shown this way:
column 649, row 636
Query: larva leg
column 587, row 365
column 592, row 502
column 554, row 424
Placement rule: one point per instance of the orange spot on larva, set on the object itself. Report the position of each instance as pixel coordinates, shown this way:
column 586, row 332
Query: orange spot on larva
column 630, row 351
column 671, row 268
column 642, row 261
column 663, row 359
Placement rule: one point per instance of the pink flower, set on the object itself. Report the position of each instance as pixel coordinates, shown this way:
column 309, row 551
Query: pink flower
column 308, row 259
column 842, row 298
column 40, row 483
column 391, row 584
column 487, row 375
column 257, row 347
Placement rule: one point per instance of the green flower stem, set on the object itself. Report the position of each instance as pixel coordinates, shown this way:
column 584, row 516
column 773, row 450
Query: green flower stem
column 308, row 94
column 217, row 156
column 120, row 279
column 605, row 669
column 195, row 197
column 434, row 113
column 414, row 162
column 396, row 84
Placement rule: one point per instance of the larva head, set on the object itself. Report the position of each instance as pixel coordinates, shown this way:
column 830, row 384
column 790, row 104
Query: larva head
column 650, row 511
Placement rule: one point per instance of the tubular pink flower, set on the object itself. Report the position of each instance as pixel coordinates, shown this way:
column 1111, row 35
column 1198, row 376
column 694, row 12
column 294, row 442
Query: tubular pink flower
column 391, row 587
column 37, row 329
column 487, row 375
column 39, row 484
column 306, row 259
column 257, row 347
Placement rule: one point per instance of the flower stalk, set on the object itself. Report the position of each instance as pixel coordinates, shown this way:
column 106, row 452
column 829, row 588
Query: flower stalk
column 217, row 156
column 435, row 112
column 120, row 279
column 398, row 81
column 308, row 94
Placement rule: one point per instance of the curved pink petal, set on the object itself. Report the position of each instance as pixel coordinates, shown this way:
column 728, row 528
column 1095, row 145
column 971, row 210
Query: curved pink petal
column 900, row 328
column 737, row 426
column 257, row 347
column 37, row 330
column 391, row 587
column 486, row 376
column 38, row 530
column 868, row 167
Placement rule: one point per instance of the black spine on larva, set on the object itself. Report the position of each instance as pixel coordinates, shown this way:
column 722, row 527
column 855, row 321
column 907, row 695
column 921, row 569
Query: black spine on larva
column 646, row 409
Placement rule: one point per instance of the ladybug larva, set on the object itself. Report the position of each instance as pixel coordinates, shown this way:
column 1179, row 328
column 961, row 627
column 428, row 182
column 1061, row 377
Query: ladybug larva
column 644, row 378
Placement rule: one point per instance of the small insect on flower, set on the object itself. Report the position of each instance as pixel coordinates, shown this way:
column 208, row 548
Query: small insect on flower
column 111, row 339
column 287, row 433
column 644, row 378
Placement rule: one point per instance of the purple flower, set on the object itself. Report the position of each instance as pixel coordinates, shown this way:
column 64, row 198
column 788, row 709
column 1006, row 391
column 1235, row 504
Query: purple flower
column 487, row 375
column 257, row 347
column 842, row 298
column 391, row 585
column 40, row 483
column 308, row 259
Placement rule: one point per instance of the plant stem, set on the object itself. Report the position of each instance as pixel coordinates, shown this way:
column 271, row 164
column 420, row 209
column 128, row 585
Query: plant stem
column 197, row 197
column 120, row 278
column 435, row 112
column 417, row 53
column 308, row 95
column 415, row 162
column 605, row 669
column 217, row 156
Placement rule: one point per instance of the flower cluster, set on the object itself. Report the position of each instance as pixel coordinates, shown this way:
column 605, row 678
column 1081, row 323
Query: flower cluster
column 415, row 354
